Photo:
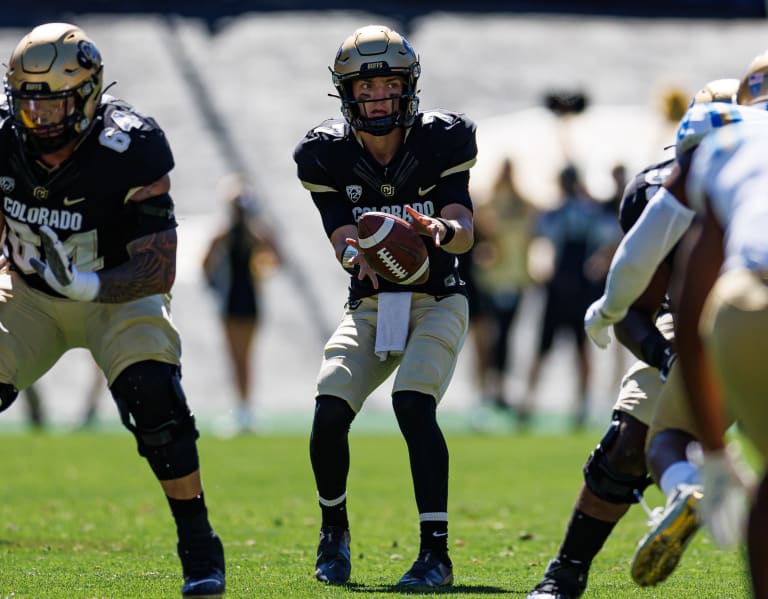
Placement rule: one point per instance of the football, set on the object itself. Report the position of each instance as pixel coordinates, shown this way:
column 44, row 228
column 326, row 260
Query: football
column 393, row 248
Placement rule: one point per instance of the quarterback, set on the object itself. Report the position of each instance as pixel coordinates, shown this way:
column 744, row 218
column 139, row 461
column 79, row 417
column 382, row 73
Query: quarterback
column 387, row 156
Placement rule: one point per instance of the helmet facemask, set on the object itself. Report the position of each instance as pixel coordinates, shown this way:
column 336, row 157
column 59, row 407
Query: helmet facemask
column 53, row 86
column 377, row 51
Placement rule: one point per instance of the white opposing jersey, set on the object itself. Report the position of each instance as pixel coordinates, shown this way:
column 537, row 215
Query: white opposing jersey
column 729, row 173
column 700, row 119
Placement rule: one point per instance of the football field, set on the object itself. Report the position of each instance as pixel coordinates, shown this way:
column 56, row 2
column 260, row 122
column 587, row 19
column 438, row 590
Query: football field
column 82, row 517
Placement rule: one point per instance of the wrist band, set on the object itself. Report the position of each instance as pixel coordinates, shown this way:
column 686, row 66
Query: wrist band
column 349, row 252
column 450, row 231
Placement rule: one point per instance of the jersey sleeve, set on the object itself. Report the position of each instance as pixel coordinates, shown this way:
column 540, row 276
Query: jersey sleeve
column 315, row 175
column 456, row 147
column 139, row 143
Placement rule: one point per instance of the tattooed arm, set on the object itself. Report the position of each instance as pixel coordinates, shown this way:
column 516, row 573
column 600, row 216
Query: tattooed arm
column 151, row 267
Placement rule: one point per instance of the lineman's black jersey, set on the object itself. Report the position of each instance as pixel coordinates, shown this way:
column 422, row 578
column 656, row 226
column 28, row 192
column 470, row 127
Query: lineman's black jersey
column 639, row 192
column 429, row 171
column 84, row 200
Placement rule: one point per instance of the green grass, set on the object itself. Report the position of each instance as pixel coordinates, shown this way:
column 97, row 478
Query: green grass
column 82, row 517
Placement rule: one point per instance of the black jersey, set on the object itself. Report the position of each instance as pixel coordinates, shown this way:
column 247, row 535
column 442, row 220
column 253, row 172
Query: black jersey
column 84, row 200
column 429, row 171
column 639, row 192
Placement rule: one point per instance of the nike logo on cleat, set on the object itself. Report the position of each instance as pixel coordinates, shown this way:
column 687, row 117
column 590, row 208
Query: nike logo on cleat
column 423, row 192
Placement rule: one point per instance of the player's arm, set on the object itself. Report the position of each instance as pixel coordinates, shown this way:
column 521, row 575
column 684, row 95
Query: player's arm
column 702, row 390
column 650, row 240
column 644, row 247
column 638, row 332
column 151, row 267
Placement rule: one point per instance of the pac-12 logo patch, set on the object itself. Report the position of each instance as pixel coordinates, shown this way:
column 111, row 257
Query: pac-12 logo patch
column 7, row 184
column 354, row 192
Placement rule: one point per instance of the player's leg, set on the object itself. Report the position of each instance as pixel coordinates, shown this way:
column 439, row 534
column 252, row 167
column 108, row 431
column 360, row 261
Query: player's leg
column 732, row 325
column 138, row 348
column 422, row 378
column 31, row 340
column 613, row 475
column 671, row 431
column 153, row 407
column 349, row 372
column 329, row 454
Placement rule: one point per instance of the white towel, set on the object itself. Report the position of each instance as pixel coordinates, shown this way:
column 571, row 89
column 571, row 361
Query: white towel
column 392, row 320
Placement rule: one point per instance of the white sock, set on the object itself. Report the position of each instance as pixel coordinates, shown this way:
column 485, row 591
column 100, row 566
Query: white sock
column 682, row 472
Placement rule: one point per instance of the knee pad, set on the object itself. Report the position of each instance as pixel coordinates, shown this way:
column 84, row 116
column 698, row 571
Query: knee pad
column 604, row 479
column 153, row 407
column 332, row 418
column 8, row 394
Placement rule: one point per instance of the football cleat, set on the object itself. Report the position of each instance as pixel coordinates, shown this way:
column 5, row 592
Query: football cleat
column 429, row 570
column 333, row 555
column 672, row 528
column 563, row 579
column 202, row 561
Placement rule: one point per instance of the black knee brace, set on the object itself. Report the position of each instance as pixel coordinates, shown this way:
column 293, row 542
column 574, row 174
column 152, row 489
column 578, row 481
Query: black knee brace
column 604, row 479
column 8, row 394
column 153, row 407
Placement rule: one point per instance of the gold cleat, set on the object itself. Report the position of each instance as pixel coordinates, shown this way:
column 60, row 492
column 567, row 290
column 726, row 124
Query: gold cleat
column 659, row 552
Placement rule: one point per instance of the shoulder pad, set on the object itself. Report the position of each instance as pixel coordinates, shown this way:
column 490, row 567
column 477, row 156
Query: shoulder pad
column 445, row 119
column 640, row 190
column 329, row 129
column 449, row 131
column 136, row 138
column 124, row 117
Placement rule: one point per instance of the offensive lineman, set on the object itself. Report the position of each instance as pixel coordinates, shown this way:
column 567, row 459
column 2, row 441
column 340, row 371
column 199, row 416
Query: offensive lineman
column 90, row 237
column 386, row 155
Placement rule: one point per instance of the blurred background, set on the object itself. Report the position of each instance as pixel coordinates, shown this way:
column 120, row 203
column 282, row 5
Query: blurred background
column 235, row 85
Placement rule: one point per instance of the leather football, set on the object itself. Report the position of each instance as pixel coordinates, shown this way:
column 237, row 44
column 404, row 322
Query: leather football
column 393, row 248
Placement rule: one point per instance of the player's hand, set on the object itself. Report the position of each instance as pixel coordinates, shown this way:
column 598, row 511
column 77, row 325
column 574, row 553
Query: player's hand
column 59, row 272
column 426, row 225
column 727, row 483
column 360, row 261
column 596, row 323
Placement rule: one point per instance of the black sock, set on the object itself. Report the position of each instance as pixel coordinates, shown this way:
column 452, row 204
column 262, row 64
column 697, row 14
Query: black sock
column 191, row 517
column 335, row 515
column 584, row 537
column 434, row 538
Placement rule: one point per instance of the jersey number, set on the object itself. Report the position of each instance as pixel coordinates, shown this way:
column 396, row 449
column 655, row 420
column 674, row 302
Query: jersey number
column 81, row 248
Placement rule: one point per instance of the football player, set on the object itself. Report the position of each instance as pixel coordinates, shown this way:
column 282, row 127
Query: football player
column 615, row 474
column 638, row 265
column 90, row 236
column 386, row 155
column 721, row 334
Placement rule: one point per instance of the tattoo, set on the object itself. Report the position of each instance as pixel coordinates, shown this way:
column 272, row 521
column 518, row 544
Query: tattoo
column 162, row 185
column 151, row 269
